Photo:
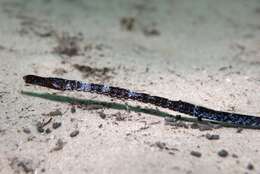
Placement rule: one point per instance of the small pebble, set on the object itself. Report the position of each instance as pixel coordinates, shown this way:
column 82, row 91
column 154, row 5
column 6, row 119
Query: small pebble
column 59, row 145
column 223, row 153
column 39, row 127
column 48, row 130
column 212, row 136
column 56, row 125
column 234, row 156
column 26, row 130
column 250, row 166
column 102, row 115
column 239, row 130
column 160, row 145
column 57, row 112
column 73, row 109
column 196, row 154
column 74, row 133
column 201, row 127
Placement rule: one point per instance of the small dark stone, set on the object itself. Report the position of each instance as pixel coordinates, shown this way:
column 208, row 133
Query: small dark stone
column 26, row 130
column 127, row 23
column 100, row 126
column 57, row 112
column 239, row 130
column 102, row 115
column 234, row 156
column 74, row 133
column 27, row 168
column 39, row 127
column 59, row 145
column 119, row 116
column 175, row 121
column 223, row 153
column 151, row 32
column 56, row 125
column 212, row 137
column 250, row 166
column 48, row 130
column 196, row 154
column 160, row 145
column 73, row 109
column 22, row 165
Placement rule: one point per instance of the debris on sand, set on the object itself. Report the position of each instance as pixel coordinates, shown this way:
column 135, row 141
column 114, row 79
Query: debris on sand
column 119, row 116
column 56, row 125
column 212, row 136
column 102, row 114
column 74, row 133
column 26, row 130
column 96, row 73
column 59, row 145
column 250, row 166
column 68, row 45
column 57, row 112
column 22, row 165
column 204, row 126
column 73, row 109
column 150, row 31
column 127, row 23
column 223, row 153
column 196, row 154
column 163, row 147
column 59, row 71
column 160, row 145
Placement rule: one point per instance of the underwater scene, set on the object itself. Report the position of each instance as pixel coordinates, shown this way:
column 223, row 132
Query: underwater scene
column 129, row 86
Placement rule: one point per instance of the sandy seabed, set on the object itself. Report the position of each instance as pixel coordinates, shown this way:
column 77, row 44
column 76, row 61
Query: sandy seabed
column 205, row 52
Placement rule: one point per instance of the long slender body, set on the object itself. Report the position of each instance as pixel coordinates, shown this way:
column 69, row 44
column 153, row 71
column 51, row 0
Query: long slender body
column 120, row 93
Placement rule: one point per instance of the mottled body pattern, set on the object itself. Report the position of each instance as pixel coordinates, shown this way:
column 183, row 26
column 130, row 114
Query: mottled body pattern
column 120, row 93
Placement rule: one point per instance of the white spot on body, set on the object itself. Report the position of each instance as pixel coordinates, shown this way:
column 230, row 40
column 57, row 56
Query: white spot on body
column 55, row 85
column 85, row 87
column 195, row 110
column 68, row 87
column 131, row 94
column 105, row 88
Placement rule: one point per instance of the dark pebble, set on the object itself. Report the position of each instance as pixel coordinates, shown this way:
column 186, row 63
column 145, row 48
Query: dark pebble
column 73, row 109
column 39, row 127
column 102, row 115
column 26, row 166
column 239, row 130
column 250, row 166
column 234, row 156
column 212, row 137
column 57, row 112
column 196, row 154
column 59, row 145
column 56, row 125
column 48, row 130
column 26, row 130
column 223, row 153
column 160, row 145
column 74, row 133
